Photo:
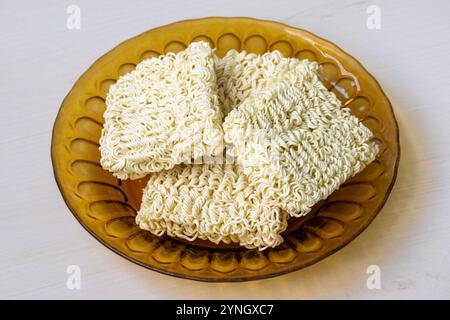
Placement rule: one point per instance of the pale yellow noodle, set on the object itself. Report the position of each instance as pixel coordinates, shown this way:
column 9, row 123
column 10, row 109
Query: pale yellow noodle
column 295, row 142
column 212, row 202
column 163, row 113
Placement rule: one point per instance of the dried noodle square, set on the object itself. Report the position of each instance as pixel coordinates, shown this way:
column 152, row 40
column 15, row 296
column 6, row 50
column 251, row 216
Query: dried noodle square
column 295, row 142
column 163, row 113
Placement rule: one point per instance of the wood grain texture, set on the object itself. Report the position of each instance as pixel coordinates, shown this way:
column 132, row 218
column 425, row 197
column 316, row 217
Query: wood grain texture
column 41, row 59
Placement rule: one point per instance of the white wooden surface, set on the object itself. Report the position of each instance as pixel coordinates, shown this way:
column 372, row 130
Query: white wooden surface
column 40, row 59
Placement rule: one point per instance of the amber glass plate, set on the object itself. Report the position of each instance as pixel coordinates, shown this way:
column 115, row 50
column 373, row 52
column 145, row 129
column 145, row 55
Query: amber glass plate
column 106, row 207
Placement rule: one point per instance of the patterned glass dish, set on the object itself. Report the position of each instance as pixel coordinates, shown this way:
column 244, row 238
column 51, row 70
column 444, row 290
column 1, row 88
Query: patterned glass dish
column 106, row 207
